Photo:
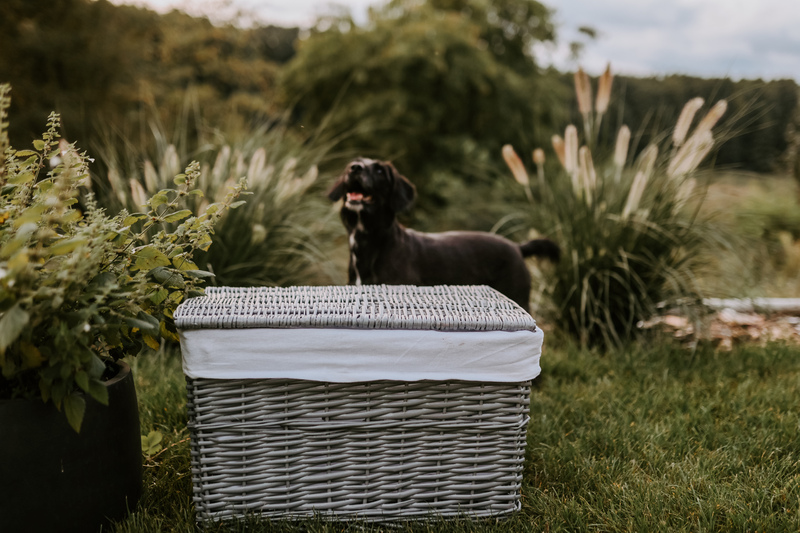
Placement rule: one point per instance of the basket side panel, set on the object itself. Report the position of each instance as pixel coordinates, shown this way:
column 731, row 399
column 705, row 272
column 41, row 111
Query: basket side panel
column 376, row 450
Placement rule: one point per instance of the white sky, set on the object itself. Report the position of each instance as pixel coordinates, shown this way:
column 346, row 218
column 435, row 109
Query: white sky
column 706, row 38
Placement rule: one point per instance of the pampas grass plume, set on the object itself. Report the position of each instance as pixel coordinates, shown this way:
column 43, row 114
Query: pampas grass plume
column 712, row 117
column 583, row 90
column 621, row 147
column 635, row 194
column 560, row 150
column 604, row 91
column 515, row 164
column 571, row 148
column 685, row 120
column 138, row 194
column 571, row 156
column 647, row 160
column 691, row 154
column 151, row 180
column 538, row 157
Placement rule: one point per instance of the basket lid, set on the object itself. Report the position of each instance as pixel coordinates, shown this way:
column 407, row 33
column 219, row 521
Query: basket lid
column 443, row 308
column 354, row 334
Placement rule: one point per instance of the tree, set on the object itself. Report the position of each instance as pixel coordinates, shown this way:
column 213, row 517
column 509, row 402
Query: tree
column 69, row 55
column 93, row 60
column 421, row 85
column 508, row 28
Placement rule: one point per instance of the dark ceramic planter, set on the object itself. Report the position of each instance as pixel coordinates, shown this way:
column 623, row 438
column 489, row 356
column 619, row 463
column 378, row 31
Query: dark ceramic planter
column 55, row 480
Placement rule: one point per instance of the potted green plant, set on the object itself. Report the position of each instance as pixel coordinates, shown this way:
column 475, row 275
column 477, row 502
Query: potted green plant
column 80, row 289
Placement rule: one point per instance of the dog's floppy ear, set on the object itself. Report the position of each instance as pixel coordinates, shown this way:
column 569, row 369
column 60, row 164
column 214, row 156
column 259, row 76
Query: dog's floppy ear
column 403, row 193
column 337, row 191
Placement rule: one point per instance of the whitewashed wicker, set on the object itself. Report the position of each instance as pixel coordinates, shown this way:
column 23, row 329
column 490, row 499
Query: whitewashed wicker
column 377, row 450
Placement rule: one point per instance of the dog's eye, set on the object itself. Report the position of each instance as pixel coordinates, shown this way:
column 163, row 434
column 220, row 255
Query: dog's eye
column 379, row 170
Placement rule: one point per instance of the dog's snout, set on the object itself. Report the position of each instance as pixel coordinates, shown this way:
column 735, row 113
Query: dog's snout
column 356, row 168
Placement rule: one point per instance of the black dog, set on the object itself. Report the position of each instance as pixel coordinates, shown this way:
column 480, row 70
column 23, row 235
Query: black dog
column 382, row 251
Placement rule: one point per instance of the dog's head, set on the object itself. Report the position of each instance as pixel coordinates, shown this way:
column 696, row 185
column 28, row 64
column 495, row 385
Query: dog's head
column 373, row 191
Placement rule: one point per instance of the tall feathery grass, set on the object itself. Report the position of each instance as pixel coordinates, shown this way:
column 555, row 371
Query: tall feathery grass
column 276, row 238
column 627, row 223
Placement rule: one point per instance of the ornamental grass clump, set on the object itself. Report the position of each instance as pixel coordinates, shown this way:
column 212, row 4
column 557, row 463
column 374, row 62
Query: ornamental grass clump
column 80, row 288
column 629, row 232
column 276, row 238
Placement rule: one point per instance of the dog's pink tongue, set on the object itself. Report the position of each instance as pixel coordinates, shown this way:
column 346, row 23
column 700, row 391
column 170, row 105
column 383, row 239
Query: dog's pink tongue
column 354, row 196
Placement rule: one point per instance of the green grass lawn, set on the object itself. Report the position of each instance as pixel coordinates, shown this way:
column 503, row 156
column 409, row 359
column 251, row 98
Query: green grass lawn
column 650, row 439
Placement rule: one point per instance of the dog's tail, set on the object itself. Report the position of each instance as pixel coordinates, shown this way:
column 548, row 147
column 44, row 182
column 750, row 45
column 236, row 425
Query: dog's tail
column 541, row 248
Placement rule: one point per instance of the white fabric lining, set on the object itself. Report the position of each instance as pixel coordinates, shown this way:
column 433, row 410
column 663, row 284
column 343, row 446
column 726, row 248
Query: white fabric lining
column 357, row 355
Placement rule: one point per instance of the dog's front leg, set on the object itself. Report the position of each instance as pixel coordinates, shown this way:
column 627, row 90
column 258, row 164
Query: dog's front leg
column 353, row 278
column 353, row 275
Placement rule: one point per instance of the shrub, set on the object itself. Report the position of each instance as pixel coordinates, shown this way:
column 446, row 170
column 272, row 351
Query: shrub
column 628, row 229
column 78, row 287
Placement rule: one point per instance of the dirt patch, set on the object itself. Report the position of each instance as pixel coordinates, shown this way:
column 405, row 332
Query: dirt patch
column 728, row 327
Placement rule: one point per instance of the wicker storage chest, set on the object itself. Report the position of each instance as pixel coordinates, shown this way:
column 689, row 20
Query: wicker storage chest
column 371, row 402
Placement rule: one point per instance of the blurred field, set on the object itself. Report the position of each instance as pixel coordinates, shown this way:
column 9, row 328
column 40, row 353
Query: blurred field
column 760, row 215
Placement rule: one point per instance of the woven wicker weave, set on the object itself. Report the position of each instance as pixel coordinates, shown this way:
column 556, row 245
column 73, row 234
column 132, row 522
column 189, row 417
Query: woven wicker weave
column 377, row 450
column 468, row 308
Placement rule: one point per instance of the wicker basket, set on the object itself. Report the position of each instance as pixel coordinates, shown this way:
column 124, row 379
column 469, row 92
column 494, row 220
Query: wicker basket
column 357, row 441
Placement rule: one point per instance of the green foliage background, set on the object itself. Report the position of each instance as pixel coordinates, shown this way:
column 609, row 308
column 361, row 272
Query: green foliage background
column 433, row 85
column 97, row 64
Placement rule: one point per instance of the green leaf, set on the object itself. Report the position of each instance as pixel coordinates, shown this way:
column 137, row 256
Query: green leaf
column 168, row 334
column 136, row 323
column 152, row 342
column 176, row 251
column 168, row 277
column 143, row 325
column 184, row 264
column 203, row 242
column 234, row 205
column 103, row 280
column 151, row 443
column 74, row 408
column 82, row 379
column 96, row 366
column 39, row 145
column 158, row 199
column 178, row 215
column 12, row 324
column 133, row 219
column 150, row 319
column 29, row 220
column 65, row 246
column 200, row 274
column 180, row 179
column 57, row 392
column 159, row 296
column 150, row 257
column 32, row 356
column 19, row 179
